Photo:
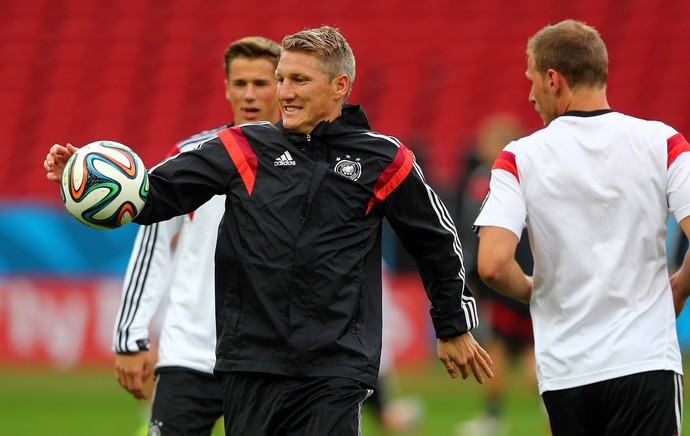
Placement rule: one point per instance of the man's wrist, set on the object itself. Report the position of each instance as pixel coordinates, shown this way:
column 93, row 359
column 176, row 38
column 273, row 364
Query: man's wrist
column 445, row 338
column 142, row 345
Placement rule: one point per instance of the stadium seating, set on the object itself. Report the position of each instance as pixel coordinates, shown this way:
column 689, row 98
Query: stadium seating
column 150, row 73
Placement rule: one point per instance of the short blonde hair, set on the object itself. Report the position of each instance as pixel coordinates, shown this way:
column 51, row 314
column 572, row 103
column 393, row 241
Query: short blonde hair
column 572, row 48
column 329, row 45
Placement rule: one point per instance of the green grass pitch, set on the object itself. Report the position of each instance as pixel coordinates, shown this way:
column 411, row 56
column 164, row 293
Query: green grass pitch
column 90, row 402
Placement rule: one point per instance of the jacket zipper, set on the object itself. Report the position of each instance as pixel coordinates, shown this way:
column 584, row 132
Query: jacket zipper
column 305, row 207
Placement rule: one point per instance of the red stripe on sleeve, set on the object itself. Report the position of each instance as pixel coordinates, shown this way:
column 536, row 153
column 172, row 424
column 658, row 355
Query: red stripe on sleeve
column 677, row 145
column 241, row 154
column 173, row 152
column 392, row 176
column 506, row 161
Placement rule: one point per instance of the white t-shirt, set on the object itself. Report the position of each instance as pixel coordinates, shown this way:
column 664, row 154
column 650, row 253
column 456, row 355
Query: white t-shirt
column 180, row 279
column 594, row 191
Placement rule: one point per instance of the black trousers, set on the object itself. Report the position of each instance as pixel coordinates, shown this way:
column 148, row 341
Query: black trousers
column 644, row 404
column 260, row 404
column 185, row 403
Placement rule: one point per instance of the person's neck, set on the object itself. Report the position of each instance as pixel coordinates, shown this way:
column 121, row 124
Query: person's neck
column 586, row 100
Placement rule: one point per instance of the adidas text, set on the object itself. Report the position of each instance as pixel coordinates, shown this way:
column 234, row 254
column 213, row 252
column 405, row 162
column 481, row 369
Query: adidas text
column 284, row 160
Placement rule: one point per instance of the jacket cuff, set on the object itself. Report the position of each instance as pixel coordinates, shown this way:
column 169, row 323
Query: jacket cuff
column 452, row 324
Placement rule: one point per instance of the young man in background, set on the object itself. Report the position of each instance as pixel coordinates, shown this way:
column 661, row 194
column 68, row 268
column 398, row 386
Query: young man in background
column 172, row 261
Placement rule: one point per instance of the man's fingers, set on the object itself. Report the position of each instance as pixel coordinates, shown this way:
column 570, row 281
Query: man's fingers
column 476, row 371
column 120, row 378
column 452, row 371
column 139, row 394
column 450, row 366
column 464, row 371
column 487, row 369
column 487, row 358
column 132, row 382
column 477, row 367
column 135, row 386
column 49, row 166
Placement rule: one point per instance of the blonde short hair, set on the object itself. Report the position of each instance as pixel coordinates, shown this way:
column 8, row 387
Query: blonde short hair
column 329, row 45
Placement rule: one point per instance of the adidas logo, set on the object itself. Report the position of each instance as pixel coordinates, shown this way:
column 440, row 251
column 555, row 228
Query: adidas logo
column 284, row 160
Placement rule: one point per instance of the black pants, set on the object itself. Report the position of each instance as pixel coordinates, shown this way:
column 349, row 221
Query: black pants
column 644, row 404
column 185, row 403
column 260, row 404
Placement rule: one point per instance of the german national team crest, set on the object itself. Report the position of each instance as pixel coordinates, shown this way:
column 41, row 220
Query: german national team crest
column 347, row 168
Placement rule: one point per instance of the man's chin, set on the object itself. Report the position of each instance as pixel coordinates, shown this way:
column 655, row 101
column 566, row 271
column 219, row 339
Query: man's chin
column 250, row 118
column 291, row 125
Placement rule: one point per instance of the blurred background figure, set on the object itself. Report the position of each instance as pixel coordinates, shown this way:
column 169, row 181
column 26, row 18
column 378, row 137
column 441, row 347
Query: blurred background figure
column 394, row 414
column 507, row 326
column 676, row 245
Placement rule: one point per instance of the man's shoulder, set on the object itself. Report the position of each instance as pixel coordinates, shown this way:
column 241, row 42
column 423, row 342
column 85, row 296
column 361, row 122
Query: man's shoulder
column 197, row 139
column 259, row 133
column 520, row 145
column 257, row 125
column 654, row 126
column 377, row 142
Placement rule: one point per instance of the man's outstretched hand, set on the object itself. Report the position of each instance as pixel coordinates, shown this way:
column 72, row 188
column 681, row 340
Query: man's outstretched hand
column 56, row 159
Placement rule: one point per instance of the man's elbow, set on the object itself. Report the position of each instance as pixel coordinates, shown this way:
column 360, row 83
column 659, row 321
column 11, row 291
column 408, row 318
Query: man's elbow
column 489, row 271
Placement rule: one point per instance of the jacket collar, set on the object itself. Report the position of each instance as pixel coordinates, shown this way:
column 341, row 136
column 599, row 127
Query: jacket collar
column 352, row 118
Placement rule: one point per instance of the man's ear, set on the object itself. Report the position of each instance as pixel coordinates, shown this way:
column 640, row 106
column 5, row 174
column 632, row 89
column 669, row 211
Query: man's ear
column 227, row 89
column 341, row 85
column 556, row 81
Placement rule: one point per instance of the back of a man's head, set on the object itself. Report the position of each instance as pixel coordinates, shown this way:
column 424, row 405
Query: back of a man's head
column 572, row 48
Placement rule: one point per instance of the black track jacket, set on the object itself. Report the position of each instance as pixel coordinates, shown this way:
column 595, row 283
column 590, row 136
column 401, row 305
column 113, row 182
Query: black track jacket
column 298, row 260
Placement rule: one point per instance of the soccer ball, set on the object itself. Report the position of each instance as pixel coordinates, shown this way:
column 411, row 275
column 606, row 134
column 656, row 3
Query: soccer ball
column 104, row 185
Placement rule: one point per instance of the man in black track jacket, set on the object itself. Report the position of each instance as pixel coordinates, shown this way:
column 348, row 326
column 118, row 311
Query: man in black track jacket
column 298, row 261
